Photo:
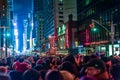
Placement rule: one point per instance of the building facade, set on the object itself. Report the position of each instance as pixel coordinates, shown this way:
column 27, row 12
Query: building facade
column 104, row 12
column 62, row 10
column 43, row 23
column 38, row 24
column 5, row 27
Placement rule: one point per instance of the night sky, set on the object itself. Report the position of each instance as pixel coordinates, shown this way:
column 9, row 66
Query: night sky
column 21, row 8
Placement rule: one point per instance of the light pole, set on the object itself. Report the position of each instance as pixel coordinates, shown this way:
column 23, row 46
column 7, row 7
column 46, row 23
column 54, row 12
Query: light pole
column 5, row 45
column 110, row 32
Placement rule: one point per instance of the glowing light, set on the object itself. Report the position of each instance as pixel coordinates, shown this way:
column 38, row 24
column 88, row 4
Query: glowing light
column 16, row 44
column 67, row 39
column 8, row 34
column 94, row 29
column 32, row 24
column 49, row 36
column 28, row 40
column 15, row 32
column 15, row 24
column 100, row 42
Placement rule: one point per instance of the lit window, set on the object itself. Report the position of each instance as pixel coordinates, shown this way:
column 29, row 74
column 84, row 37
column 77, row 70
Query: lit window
column 61, row 0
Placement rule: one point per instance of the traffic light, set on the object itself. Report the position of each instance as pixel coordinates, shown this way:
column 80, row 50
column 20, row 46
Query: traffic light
column 92, row 26
column 94, row 29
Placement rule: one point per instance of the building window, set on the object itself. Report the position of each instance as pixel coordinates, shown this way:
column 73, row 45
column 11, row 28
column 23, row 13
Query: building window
column 60, row 20
column 60, row 12
column 60, row 16
column 61, row 1
column 60, row 4
column 60, row 8
column 87, row 2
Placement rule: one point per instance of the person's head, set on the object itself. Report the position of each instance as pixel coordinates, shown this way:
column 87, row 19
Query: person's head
column 31, row 74
column 43, row 74
column 4, row 60
column 67, row 75
column 31, row 59
column 115, row 71
column 4, row 76
column 3, row 69
column 39, row 67
column 67, row 66
column 53, row 75
column 95, row 67
column 21, row 67
column 107, row 61
column 39, row 61
column 69, row 58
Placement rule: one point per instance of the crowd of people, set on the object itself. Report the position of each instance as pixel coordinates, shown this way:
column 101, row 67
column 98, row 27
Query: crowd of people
column 70, row 67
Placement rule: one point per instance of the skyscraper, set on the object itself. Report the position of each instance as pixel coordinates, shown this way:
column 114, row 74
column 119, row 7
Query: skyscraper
column 5, row 25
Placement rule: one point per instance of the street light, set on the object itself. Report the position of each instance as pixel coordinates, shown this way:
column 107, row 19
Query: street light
column 110, row 32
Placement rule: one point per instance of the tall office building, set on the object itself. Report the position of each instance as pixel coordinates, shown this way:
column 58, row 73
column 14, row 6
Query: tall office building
column 5, row 27
column 27, row 34
column 11, row 25
column 62, row 10
column 38, row 28
column 49, row 17
column 25, row 24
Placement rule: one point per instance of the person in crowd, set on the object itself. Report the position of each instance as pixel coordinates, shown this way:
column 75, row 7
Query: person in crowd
column 67, row 75
column 4, row 76
column 108, row 62
column 115, row 71
column 97, row 68
column 39, row 67
column 3, row 62
column 88, row 78
column 31, row 60
column 31, row 74
column 39, row 61
column 72, row 59
column 43, row 74
column 83, row 64
column 53, row 75
column 16, row 63
column 55, row 63
column 68, row 67
column 19, row 70
column 3, row 69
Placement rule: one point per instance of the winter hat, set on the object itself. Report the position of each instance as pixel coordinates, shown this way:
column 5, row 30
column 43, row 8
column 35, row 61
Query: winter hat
column 22, row 67
column 15, row 64
column 40, row 61
column 97, row 63
column 69, row 58
column 39, row 67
